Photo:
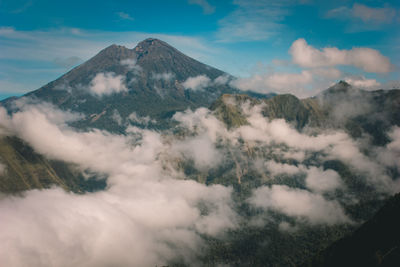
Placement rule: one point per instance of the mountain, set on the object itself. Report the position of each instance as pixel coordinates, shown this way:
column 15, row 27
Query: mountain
column 148, row 80
column 338, row 107
column 358, row 111
column 375, row 243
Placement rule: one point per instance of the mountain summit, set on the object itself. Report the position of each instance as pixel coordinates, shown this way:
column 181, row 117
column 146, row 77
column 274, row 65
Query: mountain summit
column 148, row 80
column 158, row 56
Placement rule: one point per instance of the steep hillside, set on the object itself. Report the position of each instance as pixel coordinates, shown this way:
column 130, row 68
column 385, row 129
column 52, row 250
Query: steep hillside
column 375, row 243
column 339, row 107
column 24, row 169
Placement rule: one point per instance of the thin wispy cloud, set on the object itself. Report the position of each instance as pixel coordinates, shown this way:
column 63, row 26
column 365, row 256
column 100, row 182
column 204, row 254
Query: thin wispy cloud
column 124, row 16
column 365, row 18
column 254, row 20
column 204, row 4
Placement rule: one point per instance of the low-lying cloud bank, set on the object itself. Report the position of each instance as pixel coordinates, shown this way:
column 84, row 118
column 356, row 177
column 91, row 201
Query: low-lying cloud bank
column 147, row 216
column 151, row 213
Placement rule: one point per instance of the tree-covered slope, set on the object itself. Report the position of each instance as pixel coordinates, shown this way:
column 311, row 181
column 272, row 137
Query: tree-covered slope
column 375, row 243
column 24, row 169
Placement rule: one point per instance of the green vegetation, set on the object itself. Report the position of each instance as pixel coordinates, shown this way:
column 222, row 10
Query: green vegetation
column 25, row 170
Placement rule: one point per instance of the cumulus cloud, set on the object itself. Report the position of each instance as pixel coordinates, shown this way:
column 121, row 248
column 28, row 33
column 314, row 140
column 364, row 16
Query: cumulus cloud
column 117, row 117
column 299, row 203
column 320, row 180
column 390, row 154
column 317, row 179
column 202, row 150
column 362, row 82
column 130, row 64
column 204, row 4
column 166, row 76
column 318, row 69
column 146, row 207
column 332, row 144
column 151, row 213
column 145, row 120
column 107, row 84
column 261, row 132
column 278, row 168
column 367, row 59
column 197, row 83
column 275, row 82
column 220, row 80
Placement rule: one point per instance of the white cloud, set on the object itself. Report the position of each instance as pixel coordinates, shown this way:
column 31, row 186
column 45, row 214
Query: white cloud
column 221, row 80
column 276, row 82
column 362, row 82
column 390, row 155
column 204, row 4
column 319, row 180
column 197, row 83
column 299, row 204
column 278, row 168
column 334, row 144
column 253, row 20
column 150, row 205
column 145, row 120
column 369, row 14
column 166, row 76
column 202, row 150
column 366, row 14
column 130, row 64
column 367, row 59
column 147, row 215
column 124, row 16
column 107, row 83
column 117, row 117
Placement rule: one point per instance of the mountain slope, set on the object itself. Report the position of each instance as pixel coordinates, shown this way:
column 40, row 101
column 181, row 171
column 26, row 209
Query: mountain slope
column 24, row 169
column 375, row 243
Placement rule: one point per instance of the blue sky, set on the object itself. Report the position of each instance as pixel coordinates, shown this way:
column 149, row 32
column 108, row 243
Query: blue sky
column 253, row 40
